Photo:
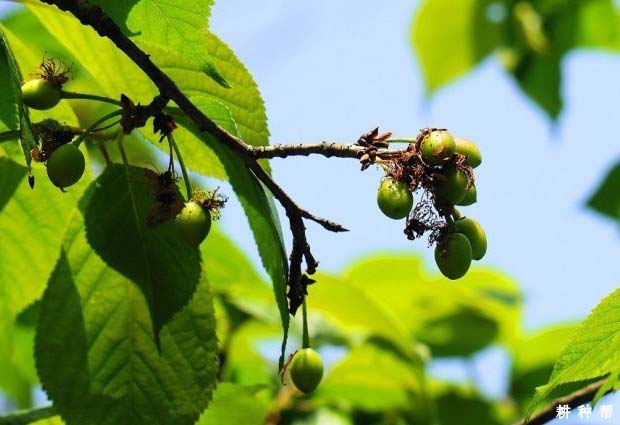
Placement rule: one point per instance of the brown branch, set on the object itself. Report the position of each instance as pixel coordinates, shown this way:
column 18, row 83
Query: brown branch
column 93, row 16
column 575, row 399
column 327, row 149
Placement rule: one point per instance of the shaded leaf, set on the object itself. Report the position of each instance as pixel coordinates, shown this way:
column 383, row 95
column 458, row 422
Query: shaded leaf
column 164, row 267
column 95, row 347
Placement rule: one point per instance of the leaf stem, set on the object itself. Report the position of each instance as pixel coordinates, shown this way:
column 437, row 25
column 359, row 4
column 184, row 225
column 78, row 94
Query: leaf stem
column 94, row 125
column 9, row 135
column 23, row 417
column 305, row 337
column 188, row 185
column 73, row 95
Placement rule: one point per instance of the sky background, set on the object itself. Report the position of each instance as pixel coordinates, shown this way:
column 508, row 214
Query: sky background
column 332, row 70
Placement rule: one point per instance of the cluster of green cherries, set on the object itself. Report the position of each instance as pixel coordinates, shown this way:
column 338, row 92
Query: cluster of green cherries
column 464, row 239
column 66, row 164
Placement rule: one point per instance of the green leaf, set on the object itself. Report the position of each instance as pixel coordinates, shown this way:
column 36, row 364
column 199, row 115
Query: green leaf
column 164, row 267
column 450, row 38
column 10, row 101
column 13, row 113
column 593, row 351
column 245, row 365
column 233, row 276
column 32, row 224
column 455, row 320
column 186, row 24
column 234, row 405
column 453, row 402
column 372, row 379
column 540, row 77
column 257, row 204
column 605, row 200
column 95, row 350
column 534, row 357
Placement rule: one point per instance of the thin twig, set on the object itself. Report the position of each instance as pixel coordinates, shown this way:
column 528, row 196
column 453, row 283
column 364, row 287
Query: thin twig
column 327, row 149
column 575, row 399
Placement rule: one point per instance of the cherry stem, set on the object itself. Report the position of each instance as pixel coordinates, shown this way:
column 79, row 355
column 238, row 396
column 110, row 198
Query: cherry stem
column 121, row 148
column 188, row 185
column 94, row 126
column 456, row 213
column 305, row 337
column 73, row 95
column 9, row 135
column 104, row 152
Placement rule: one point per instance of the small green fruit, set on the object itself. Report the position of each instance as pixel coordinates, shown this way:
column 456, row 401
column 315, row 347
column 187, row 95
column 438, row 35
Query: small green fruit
column 306, row 370
column 470, row 150
column 193, row 223
column 437, row 147
column 65, row 166
column 475, row 233
column 451, row 185
column 471, row 196
column 453, row 255
column 394, row 198
column 40, row 94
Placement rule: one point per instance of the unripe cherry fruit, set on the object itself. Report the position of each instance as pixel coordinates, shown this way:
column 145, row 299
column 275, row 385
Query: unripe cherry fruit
column 394, row 198
column 65, row 166
column 437, row 147
column 451, row 185
column 40, row 94
column 470, row 150
column 471, row 196
column 193, row 223
column 306, row 370
column 475, row 233
column 453, row 255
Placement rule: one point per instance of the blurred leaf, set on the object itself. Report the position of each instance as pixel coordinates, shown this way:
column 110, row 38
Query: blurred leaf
column 157, row 259
column 454, row 319
column 534, row 357
column 245, row 365
column 593, row 351
column 452, row 37
column 356, row 314
column 540, row 78
column 232, row 275
column 234, row 405
column 96, row 354
column 371, row 378
column 461, row 406
column 606, row 199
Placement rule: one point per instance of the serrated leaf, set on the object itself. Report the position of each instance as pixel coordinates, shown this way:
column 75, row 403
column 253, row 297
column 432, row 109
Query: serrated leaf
column 13, row 113
column 186, row 24
column 605, row 200
column 96, row 355
column 256, row 203
column 234, row 405
column 10, row 100
column 32, row 224
column 164, row 267
column 593, row 351
column 451, row 38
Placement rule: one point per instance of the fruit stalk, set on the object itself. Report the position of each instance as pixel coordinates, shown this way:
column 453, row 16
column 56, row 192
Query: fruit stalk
column 188, row 185
column 305, row 343
column 73, row 95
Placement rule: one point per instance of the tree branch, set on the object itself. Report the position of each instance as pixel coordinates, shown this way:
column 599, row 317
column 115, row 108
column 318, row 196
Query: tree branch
column 92, row 15
column 575, row 399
